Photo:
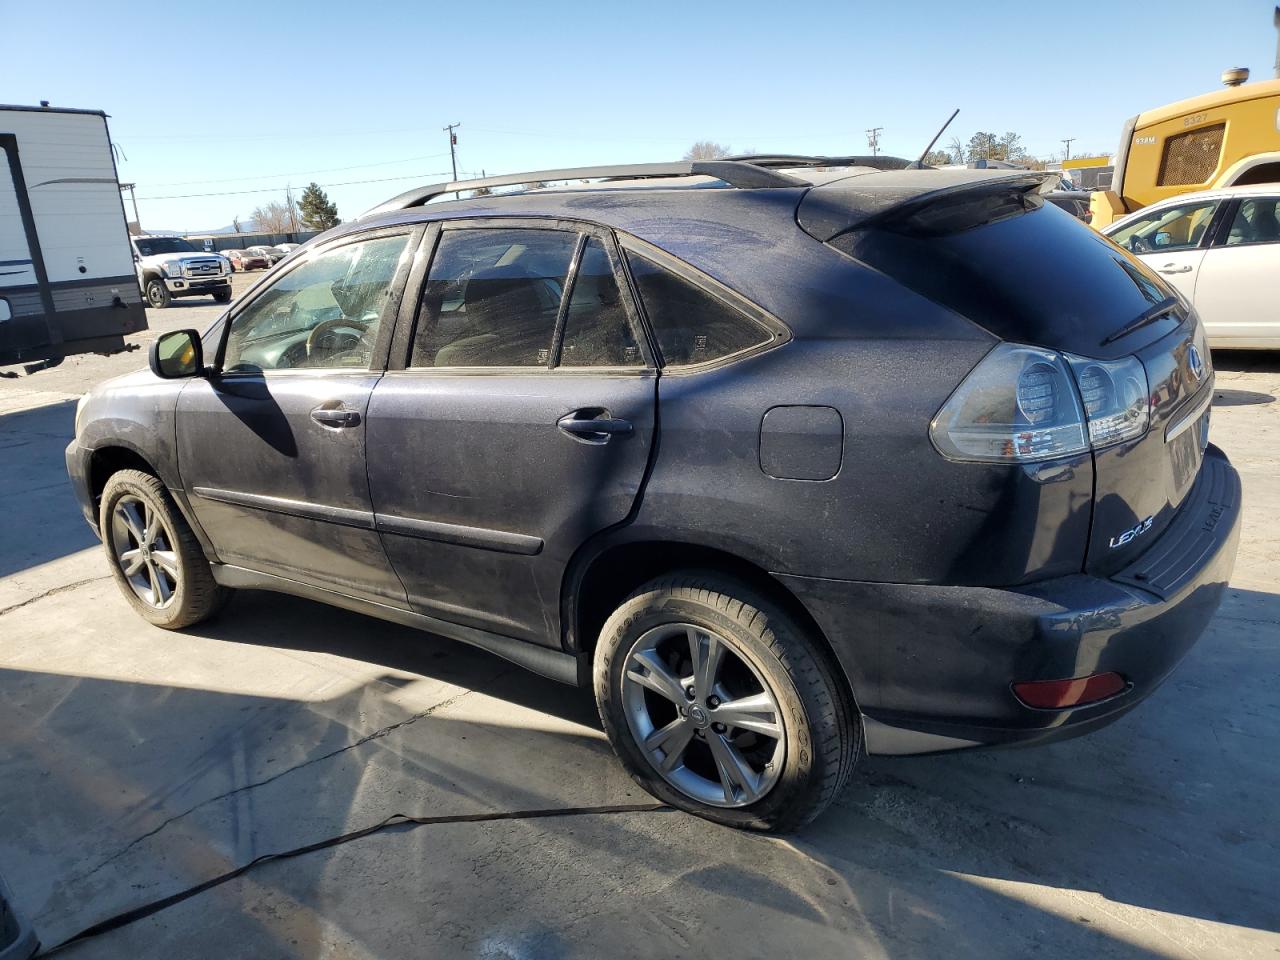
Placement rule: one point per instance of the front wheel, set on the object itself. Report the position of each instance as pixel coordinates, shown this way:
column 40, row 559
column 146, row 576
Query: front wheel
column 719, row 703
column 158, row 295
column 154, row 555
column 222, row 296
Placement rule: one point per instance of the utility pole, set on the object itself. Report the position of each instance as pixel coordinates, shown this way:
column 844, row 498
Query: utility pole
column 873, row 140
column 453, row 142
column 1066, row 154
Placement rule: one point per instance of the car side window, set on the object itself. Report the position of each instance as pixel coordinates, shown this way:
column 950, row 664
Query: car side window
column 690, row 324
column 324, row 313
column 1179, row 227
column 492, row 297
column 1257, row 220
column 597, row 332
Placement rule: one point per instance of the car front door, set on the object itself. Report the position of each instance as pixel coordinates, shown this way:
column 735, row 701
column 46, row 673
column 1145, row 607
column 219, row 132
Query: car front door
column 1238, row 292
column 1172, row 241
column 271, row 446
column 518, row 423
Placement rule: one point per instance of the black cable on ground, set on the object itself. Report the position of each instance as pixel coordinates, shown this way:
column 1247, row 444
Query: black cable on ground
column 395, row 820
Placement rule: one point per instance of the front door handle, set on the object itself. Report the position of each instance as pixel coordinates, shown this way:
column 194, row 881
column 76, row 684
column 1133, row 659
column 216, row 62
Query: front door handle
column 593, row 426
column 1170, row 268
column 335, row 418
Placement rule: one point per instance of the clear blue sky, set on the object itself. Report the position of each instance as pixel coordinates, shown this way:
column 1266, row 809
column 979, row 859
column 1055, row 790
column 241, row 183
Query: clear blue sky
column 271, row 93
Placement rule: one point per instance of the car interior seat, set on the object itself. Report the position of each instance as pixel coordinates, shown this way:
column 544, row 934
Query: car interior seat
column 504, row 322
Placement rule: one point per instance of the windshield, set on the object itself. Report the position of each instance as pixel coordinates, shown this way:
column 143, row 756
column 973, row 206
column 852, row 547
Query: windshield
column 150, row 246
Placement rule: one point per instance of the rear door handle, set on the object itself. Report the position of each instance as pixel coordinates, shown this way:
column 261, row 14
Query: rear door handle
column 335, row 418
column 593, row 426
column 1170, row 268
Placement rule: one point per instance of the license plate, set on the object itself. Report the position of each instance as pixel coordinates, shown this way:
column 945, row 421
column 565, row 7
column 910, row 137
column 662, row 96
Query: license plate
column 1186, row 452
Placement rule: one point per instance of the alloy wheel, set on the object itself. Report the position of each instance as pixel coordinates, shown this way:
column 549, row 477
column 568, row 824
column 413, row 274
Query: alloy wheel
column 703, row 716
column 143, row 548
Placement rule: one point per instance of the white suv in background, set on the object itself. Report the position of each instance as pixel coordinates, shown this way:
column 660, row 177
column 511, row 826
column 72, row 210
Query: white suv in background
column 171, row 267
column 1221, row 250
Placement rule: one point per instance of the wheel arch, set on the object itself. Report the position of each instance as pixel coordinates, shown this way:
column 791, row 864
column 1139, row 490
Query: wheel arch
column 107, row 460
column 119, row 455
column 600, row 578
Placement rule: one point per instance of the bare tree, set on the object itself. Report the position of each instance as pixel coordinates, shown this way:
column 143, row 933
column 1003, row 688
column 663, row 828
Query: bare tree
column 235, row 225
column 274, row 217
column 707, row 150
column 958, row 152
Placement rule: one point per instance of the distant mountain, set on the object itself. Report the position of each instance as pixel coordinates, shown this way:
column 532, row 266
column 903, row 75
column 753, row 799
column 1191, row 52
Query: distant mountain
column 246, row 226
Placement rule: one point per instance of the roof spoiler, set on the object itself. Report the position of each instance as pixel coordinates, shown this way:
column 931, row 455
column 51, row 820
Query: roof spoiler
column 921, row 200
column 746, row 176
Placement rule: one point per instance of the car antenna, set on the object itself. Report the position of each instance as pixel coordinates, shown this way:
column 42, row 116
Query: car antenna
column 919, row 164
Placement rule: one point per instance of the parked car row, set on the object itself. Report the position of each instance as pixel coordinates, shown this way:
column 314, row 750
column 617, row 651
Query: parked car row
column 258, row 257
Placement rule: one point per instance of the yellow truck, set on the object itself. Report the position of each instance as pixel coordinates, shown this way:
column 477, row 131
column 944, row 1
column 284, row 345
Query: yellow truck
column 1219, row 139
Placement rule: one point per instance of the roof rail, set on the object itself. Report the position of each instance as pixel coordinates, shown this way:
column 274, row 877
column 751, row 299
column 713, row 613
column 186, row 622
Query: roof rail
column 745, row 176
column 877, row 162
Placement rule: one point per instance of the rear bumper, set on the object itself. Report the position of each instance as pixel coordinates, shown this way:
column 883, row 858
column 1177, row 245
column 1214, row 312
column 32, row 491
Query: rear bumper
column 932, row 666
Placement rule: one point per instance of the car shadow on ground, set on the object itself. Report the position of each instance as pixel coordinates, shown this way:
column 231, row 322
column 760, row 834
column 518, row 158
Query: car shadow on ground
column 1246, row 361
column 42, row 519
column 1169, row 809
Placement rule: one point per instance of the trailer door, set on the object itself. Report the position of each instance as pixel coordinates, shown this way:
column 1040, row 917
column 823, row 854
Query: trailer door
column 22, row 296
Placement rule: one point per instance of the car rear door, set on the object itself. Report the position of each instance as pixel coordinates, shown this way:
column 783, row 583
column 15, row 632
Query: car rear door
column 1238, row 290
column 271, row 447
column 515, row 421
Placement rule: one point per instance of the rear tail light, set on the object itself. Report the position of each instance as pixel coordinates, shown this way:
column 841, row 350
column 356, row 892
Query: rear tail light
column 1059, row 694
column 1025, row 404
column 1115, row 395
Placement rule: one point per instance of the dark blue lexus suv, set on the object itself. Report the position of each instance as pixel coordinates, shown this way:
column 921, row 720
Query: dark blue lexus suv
column 790, row 459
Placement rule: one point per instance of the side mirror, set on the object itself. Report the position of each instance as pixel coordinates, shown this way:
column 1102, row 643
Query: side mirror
column 177, row 354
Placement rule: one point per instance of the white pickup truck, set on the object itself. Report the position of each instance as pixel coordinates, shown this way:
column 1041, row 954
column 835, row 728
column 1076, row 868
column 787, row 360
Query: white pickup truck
column 171, row 267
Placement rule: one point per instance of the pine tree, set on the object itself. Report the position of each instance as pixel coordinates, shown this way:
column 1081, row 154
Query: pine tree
column 317, row 212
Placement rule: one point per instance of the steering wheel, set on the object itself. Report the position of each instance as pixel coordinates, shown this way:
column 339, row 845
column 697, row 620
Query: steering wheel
column 328, row 326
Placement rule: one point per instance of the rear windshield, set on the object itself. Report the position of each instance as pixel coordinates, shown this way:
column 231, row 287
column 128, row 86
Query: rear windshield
column 1039, row 277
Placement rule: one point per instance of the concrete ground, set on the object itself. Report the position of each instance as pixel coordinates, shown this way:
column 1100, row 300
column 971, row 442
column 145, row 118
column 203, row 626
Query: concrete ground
column 137, row 763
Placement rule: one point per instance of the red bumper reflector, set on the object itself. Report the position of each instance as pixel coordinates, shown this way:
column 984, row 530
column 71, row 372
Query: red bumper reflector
column 1056, row 694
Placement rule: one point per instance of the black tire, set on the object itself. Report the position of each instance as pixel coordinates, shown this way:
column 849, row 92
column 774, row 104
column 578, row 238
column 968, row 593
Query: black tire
column 222, row 296
column 194, row 594
column 158, row 296
column 822, row 733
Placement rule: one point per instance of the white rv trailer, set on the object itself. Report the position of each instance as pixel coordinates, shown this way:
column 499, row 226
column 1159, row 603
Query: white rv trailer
column 67, row 280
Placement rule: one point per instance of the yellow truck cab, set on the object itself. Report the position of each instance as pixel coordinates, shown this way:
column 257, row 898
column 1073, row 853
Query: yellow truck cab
column 1220, row 139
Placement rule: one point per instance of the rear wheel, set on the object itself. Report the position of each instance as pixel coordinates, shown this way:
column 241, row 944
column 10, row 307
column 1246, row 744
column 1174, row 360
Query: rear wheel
column 154, row 555
column 158, row 295
column 719, row 703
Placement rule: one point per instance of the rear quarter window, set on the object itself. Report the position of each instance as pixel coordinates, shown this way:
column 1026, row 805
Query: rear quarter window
column 690, row 324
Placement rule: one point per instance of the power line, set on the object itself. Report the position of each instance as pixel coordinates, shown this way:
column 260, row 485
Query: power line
column 298, row 173
column 345, row 183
